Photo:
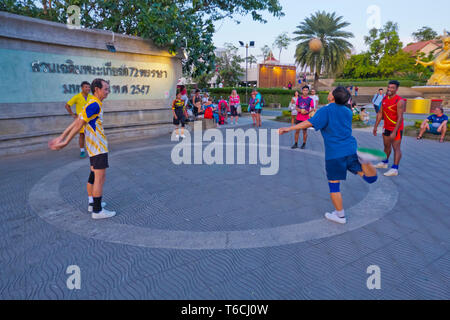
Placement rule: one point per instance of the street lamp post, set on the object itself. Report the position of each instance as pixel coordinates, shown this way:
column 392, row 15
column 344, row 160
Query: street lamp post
column 251, row 44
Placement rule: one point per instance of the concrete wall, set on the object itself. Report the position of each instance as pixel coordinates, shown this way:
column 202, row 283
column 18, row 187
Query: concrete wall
column 32, row 102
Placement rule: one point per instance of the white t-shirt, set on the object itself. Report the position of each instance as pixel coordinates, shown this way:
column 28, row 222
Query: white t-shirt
column 316, row 100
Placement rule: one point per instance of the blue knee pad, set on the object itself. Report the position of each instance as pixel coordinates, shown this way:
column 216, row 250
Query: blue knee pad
column 335, row 187
column 370, row 179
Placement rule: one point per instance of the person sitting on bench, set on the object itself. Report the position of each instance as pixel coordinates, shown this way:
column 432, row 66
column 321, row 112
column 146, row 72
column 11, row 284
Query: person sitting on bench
column 435, row 124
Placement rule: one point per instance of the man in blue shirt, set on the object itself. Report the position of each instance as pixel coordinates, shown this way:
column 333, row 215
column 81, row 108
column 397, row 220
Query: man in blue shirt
column 435, row 124
column 377, row 100
column 341, row 153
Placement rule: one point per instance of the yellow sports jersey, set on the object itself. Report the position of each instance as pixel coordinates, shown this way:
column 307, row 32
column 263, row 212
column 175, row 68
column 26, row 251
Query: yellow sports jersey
column 92, row 114
column 178, row 104
column 79, row 101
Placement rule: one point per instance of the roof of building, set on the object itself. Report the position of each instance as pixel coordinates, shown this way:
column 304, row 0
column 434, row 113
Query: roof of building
column 418, row 46
column 270, row 58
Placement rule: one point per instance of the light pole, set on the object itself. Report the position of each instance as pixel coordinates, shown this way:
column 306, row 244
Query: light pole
column 251, row 44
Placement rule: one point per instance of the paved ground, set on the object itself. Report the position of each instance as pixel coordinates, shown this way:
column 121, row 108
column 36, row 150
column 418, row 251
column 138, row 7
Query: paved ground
column 223, row 231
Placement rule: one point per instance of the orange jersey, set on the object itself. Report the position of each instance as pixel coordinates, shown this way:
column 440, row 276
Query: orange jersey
column 390, row 114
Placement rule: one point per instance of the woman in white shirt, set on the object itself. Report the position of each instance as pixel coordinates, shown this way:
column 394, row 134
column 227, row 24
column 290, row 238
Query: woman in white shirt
column 293, row 107
column 315, row 98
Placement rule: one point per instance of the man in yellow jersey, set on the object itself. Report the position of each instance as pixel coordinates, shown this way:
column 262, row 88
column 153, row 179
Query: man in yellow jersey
column 80, row 100
column 96, row 144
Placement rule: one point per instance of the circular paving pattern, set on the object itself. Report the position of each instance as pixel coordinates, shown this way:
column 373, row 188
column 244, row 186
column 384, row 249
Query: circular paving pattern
column 46, row 201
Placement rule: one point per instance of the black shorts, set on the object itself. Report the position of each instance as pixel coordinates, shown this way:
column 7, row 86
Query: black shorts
column 233, row 111
column 180, row 118
column 299, row 121
column 99, row 161
column 387, row 133
column 258, row 111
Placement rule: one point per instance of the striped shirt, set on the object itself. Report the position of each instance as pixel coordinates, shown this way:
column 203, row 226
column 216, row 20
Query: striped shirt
column 92, row 114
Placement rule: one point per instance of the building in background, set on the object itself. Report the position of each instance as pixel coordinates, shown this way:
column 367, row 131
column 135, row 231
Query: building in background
column 425, row 47
column 273, row 74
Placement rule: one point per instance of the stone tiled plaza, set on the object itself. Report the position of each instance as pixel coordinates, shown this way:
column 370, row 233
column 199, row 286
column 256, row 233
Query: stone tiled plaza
column 224, row 231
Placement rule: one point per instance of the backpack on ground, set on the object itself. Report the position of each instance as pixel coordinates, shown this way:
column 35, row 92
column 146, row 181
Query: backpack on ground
column 208, row 113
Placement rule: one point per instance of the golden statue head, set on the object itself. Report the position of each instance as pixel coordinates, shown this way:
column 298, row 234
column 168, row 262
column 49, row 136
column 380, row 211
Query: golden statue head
column 446, row 41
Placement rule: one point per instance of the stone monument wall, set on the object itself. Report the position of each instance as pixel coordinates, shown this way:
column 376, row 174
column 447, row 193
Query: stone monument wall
column 42, row 65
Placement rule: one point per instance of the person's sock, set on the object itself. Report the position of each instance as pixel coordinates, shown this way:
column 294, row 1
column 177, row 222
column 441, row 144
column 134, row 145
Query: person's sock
column 81, row 149
column 395, row 166
column 97, row 204
column 340, row 214
column 91, row 199
column 386, row 161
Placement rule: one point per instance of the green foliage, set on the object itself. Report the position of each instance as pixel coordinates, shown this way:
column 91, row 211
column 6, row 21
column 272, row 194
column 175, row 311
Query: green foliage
column 328, row 28
column 377, row 84
column 271, row 95
column 385, row 58
column 202, row 80
column 424, row 34
column 286, row 113
column 241, row 90
column 265, row 50
column 170, row 24
column 229, row 66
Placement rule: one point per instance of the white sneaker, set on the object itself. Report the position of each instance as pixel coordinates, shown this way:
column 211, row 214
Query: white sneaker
column 104, row 214
column 335, row 218
column 91, row 206
column 177, row 136
column 391, row 173
column 381, row 165
column 183, row 136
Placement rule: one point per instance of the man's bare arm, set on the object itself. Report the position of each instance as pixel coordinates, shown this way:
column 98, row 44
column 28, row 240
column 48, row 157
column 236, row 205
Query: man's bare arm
column 68, row 134
column 300, row 126
column 69, row 110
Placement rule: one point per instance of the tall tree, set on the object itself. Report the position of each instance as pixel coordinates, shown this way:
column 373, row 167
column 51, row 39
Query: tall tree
column 424, row 34
column 383, row 42
column 282, row 42
column 251, row 59
column 171, row 24
column 265, row 51
column 335, row 48
column 229, row 65
column 385, row 57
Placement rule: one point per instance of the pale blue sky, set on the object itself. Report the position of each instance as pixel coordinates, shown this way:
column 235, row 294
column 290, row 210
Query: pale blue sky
column 409, row 14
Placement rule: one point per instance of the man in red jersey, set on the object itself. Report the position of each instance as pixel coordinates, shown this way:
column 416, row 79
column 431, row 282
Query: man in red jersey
column 392, row 108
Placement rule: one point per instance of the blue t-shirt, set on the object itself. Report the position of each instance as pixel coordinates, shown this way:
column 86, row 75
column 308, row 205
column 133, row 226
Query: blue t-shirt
column 258, row 98
column 335, row 123
column 437, row 121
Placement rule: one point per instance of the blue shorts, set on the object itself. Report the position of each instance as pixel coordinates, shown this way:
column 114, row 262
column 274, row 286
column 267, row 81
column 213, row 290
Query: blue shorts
column 433, row 130
column 337, row 168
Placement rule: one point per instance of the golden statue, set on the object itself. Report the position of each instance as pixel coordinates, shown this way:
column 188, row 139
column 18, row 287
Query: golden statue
column 441, row 64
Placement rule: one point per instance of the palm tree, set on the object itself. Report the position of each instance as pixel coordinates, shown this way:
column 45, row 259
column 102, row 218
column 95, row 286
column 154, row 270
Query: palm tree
column 282, row 42
column 265, row 51
column 251, row 59
column 335, row 48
